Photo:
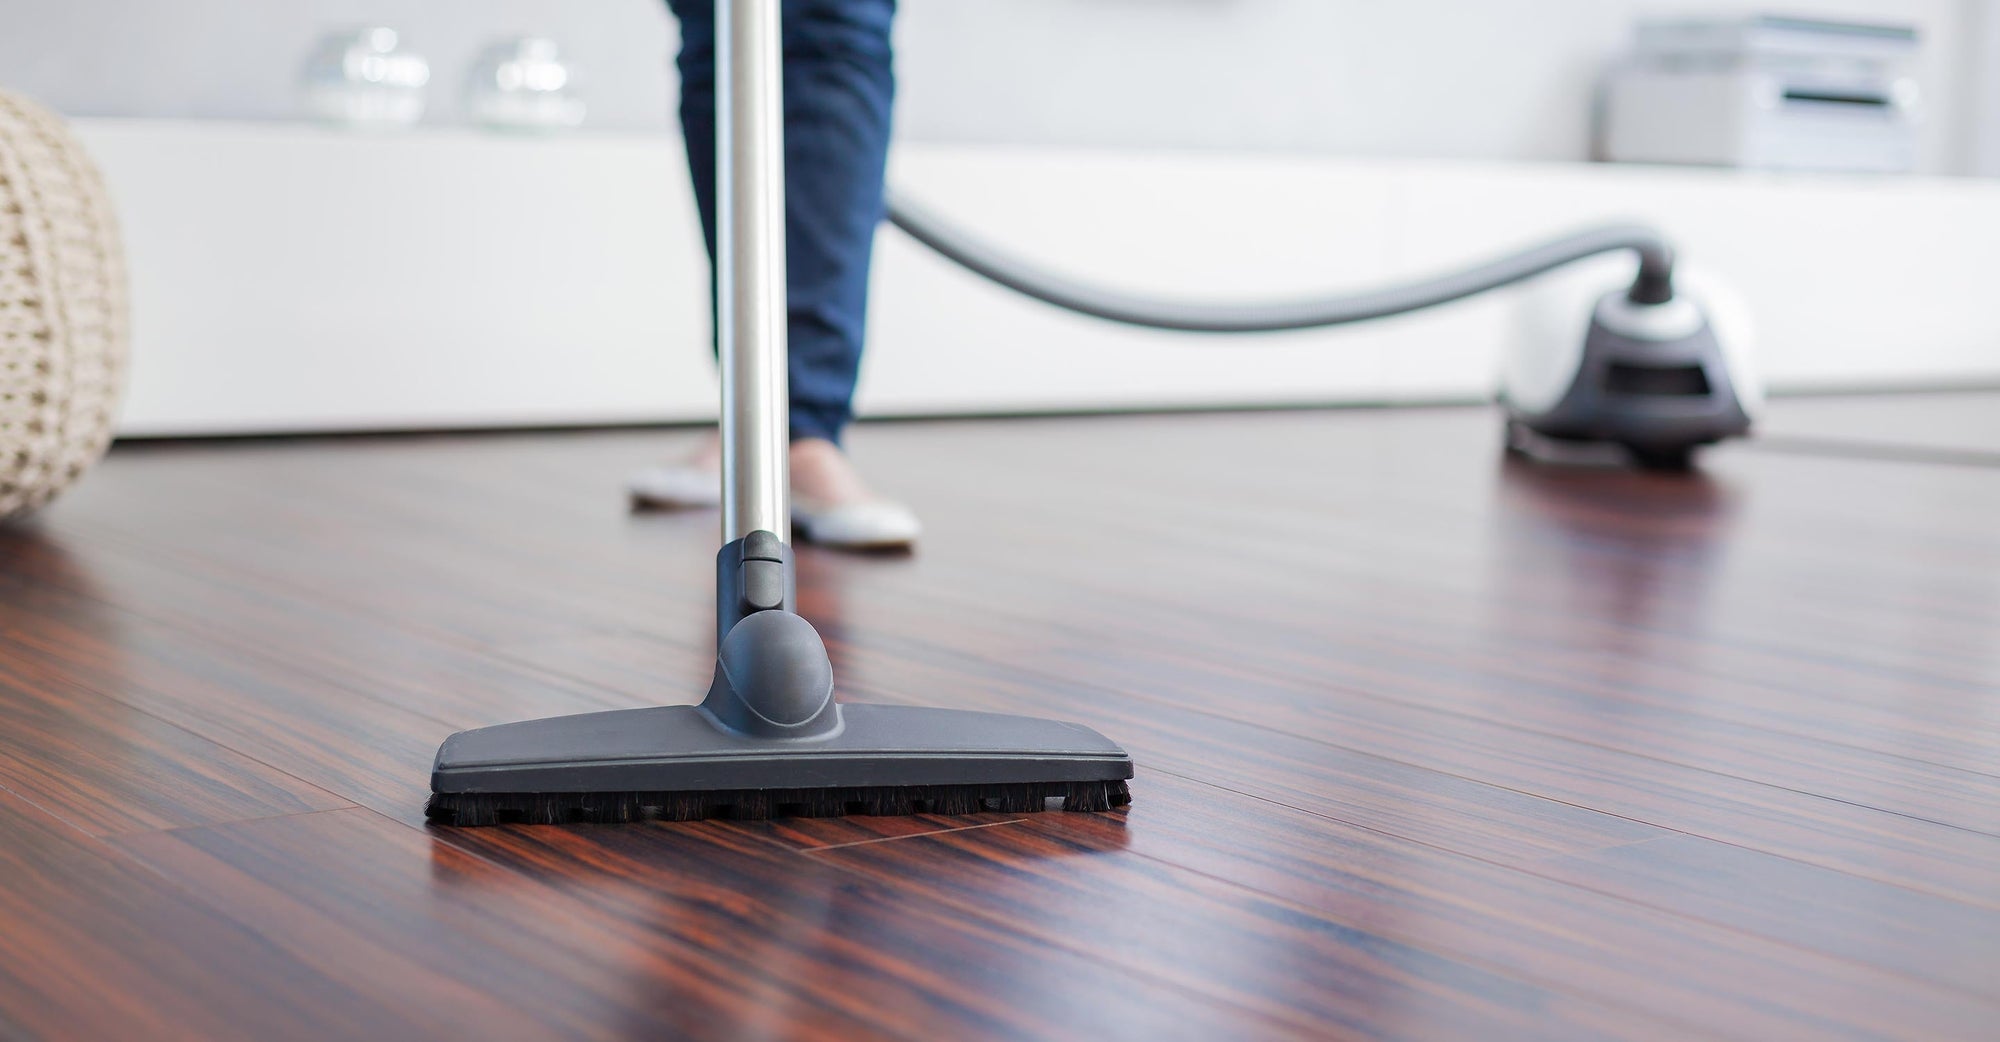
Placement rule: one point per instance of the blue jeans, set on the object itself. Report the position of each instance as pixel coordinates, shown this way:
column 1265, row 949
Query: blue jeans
column 839, row 86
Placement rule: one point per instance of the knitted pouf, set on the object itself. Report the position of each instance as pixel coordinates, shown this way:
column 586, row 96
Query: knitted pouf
column 62, row 308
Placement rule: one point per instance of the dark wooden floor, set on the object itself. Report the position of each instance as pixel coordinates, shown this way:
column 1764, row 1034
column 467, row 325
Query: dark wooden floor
column 1430, row 745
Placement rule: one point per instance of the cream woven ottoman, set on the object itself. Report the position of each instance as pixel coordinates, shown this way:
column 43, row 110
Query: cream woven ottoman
column 63, row 319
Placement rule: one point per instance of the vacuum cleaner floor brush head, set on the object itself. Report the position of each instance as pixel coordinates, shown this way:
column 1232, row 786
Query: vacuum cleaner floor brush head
column 678, row 763
column 770, row 740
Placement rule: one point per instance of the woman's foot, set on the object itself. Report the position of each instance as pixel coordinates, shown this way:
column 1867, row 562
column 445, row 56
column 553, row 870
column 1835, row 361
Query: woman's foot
column 692, row 482
column 831, row 504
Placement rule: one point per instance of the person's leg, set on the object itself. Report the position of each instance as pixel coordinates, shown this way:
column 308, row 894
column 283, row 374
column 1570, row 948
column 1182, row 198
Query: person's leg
column 839, row 85
column 696, row 64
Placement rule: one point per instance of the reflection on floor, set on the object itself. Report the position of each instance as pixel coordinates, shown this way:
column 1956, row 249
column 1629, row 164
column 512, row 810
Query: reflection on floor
column 1432, row 744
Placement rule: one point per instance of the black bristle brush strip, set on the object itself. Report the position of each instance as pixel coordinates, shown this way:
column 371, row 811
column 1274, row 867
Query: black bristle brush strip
column 769, row 739
column 566, row 808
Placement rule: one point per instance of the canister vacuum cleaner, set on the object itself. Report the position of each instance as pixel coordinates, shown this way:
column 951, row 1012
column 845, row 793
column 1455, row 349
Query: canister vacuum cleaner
column 1651, row 372
column 1650, row 368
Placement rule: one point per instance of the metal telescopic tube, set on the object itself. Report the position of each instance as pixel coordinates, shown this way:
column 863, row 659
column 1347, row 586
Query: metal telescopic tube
column 750, row 269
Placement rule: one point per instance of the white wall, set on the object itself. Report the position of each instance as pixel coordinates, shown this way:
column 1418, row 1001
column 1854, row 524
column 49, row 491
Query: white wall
column 240, row 59
column 1483, row 79
column 1183, row 144
column 1407, row 78
column 1982, row 55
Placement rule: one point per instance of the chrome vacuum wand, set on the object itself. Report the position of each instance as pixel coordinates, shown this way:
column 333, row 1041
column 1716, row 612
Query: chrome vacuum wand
column 750, row 271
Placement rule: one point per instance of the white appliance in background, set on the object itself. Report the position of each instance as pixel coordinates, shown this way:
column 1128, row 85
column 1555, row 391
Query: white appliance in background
column 366, row 79
column 1768, row 93
column 522, row 84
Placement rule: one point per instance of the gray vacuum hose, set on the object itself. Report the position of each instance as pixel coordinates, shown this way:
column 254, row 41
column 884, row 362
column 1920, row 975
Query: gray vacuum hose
column 1654, row 285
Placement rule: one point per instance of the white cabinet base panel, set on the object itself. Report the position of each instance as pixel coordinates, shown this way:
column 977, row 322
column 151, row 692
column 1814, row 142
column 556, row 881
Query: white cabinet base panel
column 289, row 278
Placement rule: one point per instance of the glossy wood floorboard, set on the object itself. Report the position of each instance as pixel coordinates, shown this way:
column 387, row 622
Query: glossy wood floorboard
column 1432, row 745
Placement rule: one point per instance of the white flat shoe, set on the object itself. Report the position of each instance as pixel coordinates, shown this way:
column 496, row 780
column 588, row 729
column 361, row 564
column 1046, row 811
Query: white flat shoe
column 875, row 524
column 675, row 486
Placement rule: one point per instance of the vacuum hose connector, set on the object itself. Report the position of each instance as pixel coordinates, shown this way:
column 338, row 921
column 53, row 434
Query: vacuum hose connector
column 1655, row 284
